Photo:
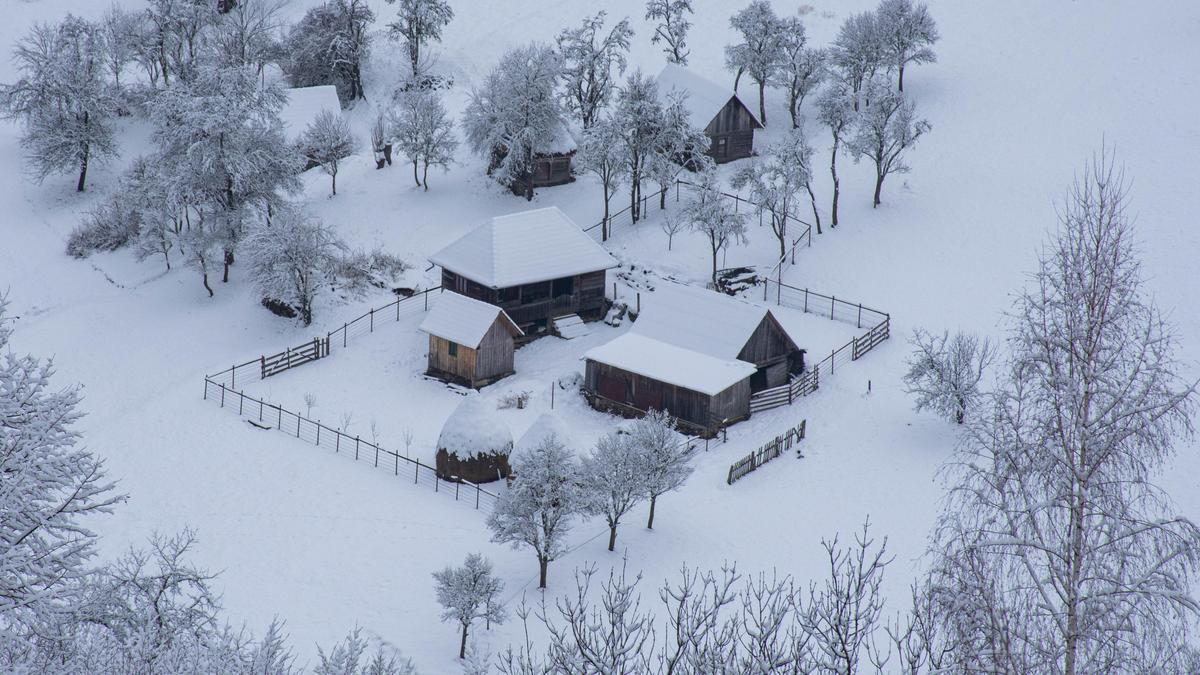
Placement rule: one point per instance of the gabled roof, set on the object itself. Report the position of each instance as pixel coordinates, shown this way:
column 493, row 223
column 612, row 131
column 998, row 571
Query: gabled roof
column 670, row 363
column 304, row 104
column 464, row 320
column 524, row 248
column 704, row 99
column 701, row 320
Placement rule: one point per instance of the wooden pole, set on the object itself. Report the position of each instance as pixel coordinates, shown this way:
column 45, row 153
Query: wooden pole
column 372, row 315
column 222, row 394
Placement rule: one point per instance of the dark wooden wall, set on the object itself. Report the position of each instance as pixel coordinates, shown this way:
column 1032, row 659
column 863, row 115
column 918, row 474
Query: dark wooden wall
column 493, row 360
column 530, row 306
column 732, row 133
column 770, row 348
column 643, row 393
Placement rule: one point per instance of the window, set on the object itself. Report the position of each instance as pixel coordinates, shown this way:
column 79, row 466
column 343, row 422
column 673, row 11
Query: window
column 720, row 147
column 510, row 294
column 454, row 350
column 535, row 292
column 564, row 286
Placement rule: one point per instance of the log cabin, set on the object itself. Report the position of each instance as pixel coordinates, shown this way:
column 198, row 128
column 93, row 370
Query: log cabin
column 537, row 266
column 551, row 163
column 725, row 118
column 470, row 342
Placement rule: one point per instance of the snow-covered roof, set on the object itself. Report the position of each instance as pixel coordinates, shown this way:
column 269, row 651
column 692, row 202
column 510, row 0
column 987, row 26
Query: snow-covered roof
column 704, row 99
column 559, row 143
column 670, row 363
column 464, row 320
column 699, row 319
column 546, row 425
column 304, row 104
column 523, row 248
column 474, row 429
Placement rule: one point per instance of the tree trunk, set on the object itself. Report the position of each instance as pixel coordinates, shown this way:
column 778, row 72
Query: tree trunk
column 83, row 158
column 737, row 79
column 529, row 175
column 425, row 175
column 762, row 102
column 415, row 177
column 878, row 187
column 813, row 198
column 715, row 250
column 333, row 175
column 604, row 223
column 204, row 280
column 612, row 537
column 662, row 198
column 542, row 565
column 793, row 108
column 462, row 646
column 833, row 171
column 901, row 69
column 228, row 262
column 654, row 498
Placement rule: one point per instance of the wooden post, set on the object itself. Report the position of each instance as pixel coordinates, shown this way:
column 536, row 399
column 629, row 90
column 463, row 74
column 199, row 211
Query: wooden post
column 372, row 315
column 260, row 409
column 318, row 432
column 377, row 456
column 337, row 441
column 476, row 497
column 279, row 419
column 344, row 331
column 222, row 394
column 832, row 357
column 639, row 302
column 297, row 426
column 397, row 309
column 426, row 296
column 416, row 470
column 262, row 361
column 233, row 377
column 456, row 484
column 356, row 448
column 614, row 291
column 832, row 301
column 860, row 315
column 396, row 471
column 806, row 300
column 241, row 401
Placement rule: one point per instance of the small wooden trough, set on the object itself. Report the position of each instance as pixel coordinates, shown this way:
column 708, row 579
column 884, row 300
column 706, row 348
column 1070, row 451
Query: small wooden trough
column 470, row 342
column 474, row 444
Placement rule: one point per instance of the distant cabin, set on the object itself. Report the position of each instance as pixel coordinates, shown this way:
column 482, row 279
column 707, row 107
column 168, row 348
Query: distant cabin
column 725, row 118
column 536, row 265
column 551, row 162
column 470, row 342
column 303, row 106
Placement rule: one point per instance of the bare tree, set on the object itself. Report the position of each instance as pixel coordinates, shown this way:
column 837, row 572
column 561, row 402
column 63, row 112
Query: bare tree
column 886, row 128
column 711, row 215
column 944, row 372
column 836, row 111
column 291, row 260
column 468, row 594
column 672, row 27
column 602, row 152
column 858, row 52
column 775, row 181
column 327, row 141
column 801, row 68
column 672, row 224
column 424, row 133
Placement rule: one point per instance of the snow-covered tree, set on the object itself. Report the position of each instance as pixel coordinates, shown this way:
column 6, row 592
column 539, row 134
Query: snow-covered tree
column 944, row 372
column 424, row 132
column 602, row 152
column 638, row 116
column 515, row 111
column 350, row 657
column 672, row 224
column 1055, row 544
column 672, row 27
column 712, row 215
column 775, row 181
column 907, row 32
column 178, row 31
column 757, row 55
column 835, row 110
column 50, row 488
column 121, row 28
column 419, row 22
column 468, row 594
column 327, row 141
column 801, row 69
column 249, row 34
column 63, row 100
column 291, row 259
column 665, row 456
column 884, row 130
column 612, row 481
column 537, row 510
column 589, row 57
column 329, row 46
column 858, row 52
column 677, row 145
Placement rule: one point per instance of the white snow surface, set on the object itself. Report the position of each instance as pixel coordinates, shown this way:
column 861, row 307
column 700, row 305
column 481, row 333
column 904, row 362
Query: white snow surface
column 474, row 429
column 671, row 363
column 547, row 425
column 464, row 320
column 704, row 98
column 304, row 104
column 701, row 320
column 522, row 248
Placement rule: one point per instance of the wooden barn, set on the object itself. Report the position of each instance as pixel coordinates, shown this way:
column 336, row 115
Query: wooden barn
column 537, row 266
column 725, row 118
column 634, row 374
column 470, row 342
column 551, row 162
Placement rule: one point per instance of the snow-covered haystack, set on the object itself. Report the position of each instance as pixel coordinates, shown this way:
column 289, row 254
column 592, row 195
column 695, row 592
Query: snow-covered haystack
column 474, row 444
column 544, row 427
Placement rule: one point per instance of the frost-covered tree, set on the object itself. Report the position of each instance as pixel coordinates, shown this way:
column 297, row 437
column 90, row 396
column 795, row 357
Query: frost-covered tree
column 602, row 152
column 327, row 141
column 944, row 372
column 885, row 128
column 672, row 27
column 858, row 51
column 121, row 29
column 249, row 34
column 50, row 488
column 835, row 110
column 468, row 594
column 589, row 58
column 350, row 657
column 419, row 22
column 775, row 181
column 291, row 259
column 758, row 54
column 907, row 33
column 612, row 481
column 178, row 31
column 537, row 510
column 329, row 45
column 664, row 455
column 712, row 215
column 801, row 69
column 424, row 132
column 515, row 111
column 677, row 145
column 638, row 115
column 1055, row 544
column 63, row 100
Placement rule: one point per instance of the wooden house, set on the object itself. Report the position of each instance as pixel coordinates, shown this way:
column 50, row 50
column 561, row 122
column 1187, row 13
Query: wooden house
column 537, row 266
column 551, row 163
column 634, row 374
column 470, row 342
column 723, row 116
column 303, row 106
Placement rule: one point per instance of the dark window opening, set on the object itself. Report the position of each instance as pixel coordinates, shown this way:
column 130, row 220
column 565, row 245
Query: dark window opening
column 535, row 292
column 721, row 147
column 454, row 349
column 511, row 294
column 564, row 286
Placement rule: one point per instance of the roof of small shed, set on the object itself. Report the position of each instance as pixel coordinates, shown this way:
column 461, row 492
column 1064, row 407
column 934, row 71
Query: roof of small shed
column 671, row 363
column 304, row 104
column 464, row 320
column 699, row 319
column 704, row 99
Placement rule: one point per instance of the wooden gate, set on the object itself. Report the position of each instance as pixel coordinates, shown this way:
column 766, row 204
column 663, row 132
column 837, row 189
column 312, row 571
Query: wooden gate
column 296, row 356
column 867, row 342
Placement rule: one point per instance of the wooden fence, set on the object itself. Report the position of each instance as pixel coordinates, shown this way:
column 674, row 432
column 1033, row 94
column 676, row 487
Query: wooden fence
column 767, row 452
column 293, row 357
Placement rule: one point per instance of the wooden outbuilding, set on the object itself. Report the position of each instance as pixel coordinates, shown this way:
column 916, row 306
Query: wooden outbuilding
column 551, row 163
column 470, row 342
column 720, row 112
column 538, row 266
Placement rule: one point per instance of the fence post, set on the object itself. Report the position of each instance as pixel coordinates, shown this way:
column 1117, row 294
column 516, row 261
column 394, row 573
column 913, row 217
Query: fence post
column 416, row 472
column 476, row 497
column 372, row 314
column 860, row 315
column 396, row 471
column 397, row 309
column 260, row 409
column 426, row 296
column 279, row 420
column 297, row 426
column 356, row 448
column 222, row 394
column 456, row 484
column 832, row 302
column 806, row 301
column 337, row 442
column 241, row 401
column 832, row 358
column 262, row 362
column 377, row 456
column 318, row 432
column 345, row 326
column 233, row 377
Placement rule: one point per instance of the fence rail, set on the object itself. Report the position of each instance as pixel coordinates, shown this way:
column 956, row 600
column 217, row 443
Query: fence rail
column 767, row 452
column 266, row 415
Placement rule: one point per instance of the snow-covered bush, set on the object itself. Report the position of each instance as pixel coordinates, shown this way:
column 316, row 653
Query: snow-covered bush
column 474, row 444
column 359, row 271
column 350, row 657
column 327, row 141
column 329, row 45
column 468, row 594
column 112, row 225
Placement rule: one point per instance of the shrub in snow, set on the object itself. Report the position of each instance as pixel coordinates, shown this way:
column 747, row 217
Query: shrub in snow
column 349, row 657
column 329, row 45
column 944, row 372
column 357, row 271
column 110, row 226
column 468, row 594
column 474, row 444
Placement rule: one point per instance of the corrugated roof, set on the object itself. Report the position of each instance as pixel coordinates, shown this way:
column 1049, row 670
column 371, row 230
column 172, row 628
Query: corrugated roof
column 523, row 248
column 699, row 319
column 464, row 320
column 704, row 99
column 670, row 363
column 304, row 104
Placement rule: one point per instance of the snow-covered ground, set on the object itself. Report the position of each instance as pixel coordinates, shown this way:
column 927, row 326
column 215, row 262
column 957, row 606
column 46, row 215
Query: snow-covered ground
column 297, row 532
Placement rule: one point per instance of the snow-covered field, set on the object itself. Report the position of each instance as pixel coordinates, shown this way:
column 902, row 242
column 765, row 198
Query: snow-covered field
column 297, row 532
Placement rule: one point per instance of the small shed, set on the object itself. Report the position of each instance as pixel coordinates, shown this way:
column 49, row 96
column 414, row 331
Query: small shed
column 551, row 162
column 720, row 112
column 470, row 342
column 635, row 373
column 474, row 444
column 535, row 265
